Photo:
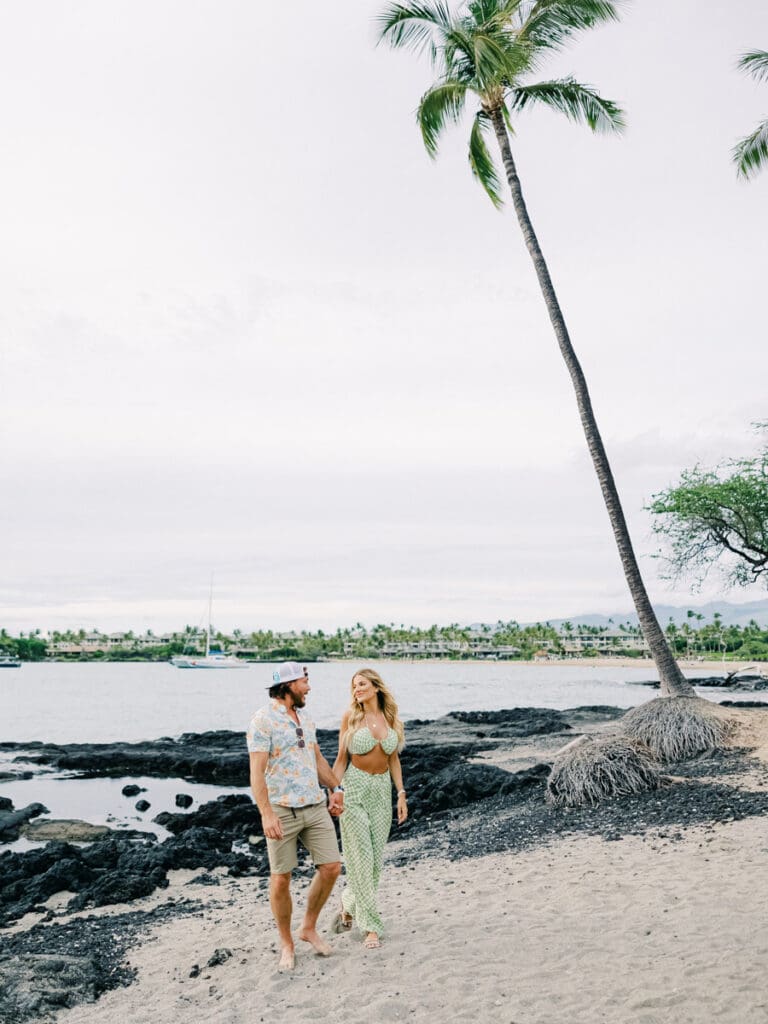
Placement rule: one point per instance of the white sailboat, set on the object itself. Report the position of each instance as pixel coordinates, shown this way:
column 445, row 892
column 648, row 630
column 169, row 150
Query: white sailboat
column 211, row 659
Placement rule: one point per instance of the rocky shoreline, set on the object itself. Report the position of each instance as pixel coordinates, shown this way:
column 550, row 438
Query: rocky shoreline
column 476, row 785
column 738, row 682
column 226, row 832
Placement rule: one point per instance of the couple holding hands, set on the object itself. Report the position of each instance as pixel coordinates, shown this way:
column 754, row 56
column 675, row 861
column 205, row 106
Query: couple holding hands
column 287, row 773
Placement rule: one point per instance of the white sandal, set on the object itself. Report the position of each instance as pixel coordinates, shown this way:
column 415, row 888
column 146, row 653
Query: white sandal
column 339, row 925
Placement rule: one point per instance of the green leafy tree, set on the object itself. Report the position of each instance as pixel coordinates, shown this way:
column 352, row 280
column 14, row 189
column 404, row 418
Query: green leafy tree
column 751, row 153
column 716, row 518
column 484, row 57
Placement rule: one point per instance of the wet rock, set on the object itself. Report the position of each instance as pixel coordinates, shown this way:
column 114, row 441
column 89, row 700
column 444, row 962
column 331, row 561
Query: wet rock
column 132, row 790
column 184, row 800
column 515, row 721
column 233, row 815
column 739, row 683
column 10, row 820
column 142, row 805
column 66, row 830
column 14, row 777
column 218, row 757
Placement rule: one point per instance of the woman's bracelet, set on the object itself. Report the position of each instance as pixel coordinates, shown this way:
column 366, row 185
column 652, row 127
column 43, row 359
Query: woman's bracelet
column 401, row 792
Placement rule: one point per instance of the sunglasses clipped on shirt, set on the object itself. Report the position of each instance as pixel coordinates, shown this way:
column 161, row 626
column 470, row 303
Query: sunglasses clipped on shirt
column 300, row 734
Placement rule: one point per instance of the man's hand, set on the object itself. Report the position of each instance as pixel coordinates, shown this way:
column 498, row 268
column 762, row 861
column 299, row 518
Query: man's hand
column 336, row 804
column 273, row 829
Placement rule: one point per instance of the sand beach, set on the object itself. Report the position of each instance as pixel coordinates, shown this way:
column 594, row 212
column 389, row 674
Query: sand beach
column 650, row 929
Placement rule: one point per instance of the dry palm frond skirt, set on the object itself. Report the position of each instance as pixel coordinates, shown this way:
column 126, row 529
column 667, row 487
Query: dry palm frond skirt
column 677, row 728
column 592, row 771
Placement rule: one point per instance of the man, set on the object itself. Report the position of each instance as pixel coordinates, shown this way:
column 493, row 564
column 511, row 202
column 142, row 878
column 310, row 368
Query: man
column 287, row 770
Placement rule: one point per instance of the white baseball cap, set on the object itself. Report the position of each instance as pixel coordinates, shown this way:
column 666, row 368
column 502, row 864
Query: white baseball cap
column 288, row 672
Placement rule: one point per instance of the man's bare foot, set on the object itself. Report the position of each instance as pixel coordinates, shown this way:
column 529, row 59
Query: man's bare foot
column 287, row 959
column 371, row 941
column 310, row 935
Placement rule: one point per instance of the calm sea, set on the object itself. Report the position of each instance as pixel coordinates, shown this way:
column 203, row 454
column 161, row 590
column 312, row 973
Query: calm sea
column 97, row 703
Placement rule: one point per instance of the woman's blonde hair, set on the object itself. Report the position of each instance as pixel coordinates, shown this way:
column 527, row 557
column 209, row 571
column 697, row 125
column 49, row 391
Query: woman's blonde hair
column 387, row 706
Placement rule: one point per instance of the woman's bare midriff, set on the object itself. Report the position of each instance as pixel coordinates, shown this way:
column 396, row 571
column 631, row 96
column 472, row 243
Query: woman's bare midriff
column 375, row 762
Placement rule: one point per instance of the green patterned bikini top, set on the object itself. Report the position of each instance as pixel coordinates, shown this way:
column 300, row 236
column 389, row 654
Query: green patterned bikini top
column 362, row 742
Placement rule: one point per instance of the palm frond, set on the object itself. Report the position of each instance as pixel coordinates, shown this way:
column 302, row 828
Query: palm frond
column 549, row 23
column 458, row 52
column 441, row 104
column 494, row 13
column 580, row 103
column 481, row 161
column 483, row 59
column 755, row 63
column 411, row 26
column 496, row 61
column 751, row 154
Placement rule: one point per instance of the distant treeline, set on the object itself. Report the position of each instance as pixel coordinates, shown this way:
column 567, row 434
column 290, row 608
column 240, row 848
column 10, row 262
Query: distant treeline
column 695, row 638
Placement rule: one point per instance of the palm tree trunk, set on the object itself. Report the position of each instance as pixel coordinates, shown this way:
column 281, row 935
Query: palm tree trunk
column 673, row 682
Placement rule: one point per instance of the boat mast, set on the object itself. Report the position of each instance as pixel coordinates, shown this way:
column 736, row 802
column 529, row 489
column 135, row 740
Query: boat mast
column 210, row 611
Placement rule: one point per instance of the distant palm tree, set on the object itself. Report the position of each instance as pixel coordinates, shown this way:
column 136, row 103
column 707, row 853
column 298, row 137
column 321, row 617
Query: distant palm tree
column 485, row 54
column 751, row 154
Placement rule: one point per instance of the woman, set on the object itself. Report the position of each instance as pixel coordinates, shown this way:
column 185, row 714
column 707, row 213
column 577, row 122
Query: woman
column 370, row 740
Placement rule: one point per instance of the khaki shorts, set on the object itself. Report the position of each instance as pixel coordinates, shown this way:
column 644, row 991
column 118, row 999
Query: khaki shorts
column 313, row 826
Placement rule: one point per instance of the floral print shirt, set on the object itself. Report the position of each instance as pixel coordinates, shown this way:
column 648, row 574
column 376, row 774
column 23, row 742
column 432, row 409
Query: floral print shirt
column 291, row 773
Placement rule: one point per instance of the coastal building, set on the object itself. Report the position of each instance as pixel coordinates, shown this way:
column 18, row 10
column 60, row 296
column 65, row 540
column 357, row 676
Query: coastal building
column 103, row 643
column 607, row 642
column 449, row 648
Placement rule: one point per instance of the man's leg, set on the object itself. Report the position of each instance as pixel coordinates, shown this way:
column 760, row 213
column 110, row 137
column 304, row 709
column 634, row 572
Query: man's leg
column 282, row 907
column 317, row 896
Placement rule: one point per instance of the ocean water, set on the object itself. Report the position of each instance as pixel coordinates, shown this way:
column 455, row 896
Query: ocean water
column 99, row 703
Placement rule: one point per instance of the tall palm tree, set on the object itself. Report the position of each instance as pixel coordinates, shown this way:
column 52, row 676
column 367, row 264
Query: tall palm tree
column 751, row 154
column 484, row 55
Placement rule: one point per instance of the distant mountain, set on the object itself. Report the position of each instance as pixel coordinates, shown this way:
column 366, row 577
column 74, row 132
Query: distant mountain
column 732, row 615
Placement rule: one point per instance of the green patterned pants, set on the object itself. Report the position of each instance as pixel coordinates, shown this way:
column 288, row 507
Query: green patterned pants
column 365, row 826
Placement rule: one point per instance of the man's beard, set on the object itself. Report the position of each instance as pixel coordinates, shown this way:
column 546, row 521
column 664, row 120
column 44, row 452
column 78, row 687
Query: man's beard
column 299, row 699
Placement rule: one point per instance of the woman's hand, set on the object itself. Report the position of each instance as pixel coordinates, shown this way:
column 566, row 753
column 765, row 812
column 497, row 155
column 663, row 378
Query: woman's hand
column 336, row 803
column 402, row 808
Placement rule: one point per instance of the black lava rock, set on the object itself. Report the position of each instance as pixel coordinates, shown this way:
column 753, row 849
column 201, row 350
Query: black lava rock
column 516, row 721
column 10, row 820
column 233, row 815
column 57, row 966
column 220, row 956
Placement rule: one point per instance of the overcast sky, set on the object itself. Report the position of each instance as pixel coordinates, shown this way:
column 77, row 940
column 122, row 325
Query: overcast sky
column 249, row 328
